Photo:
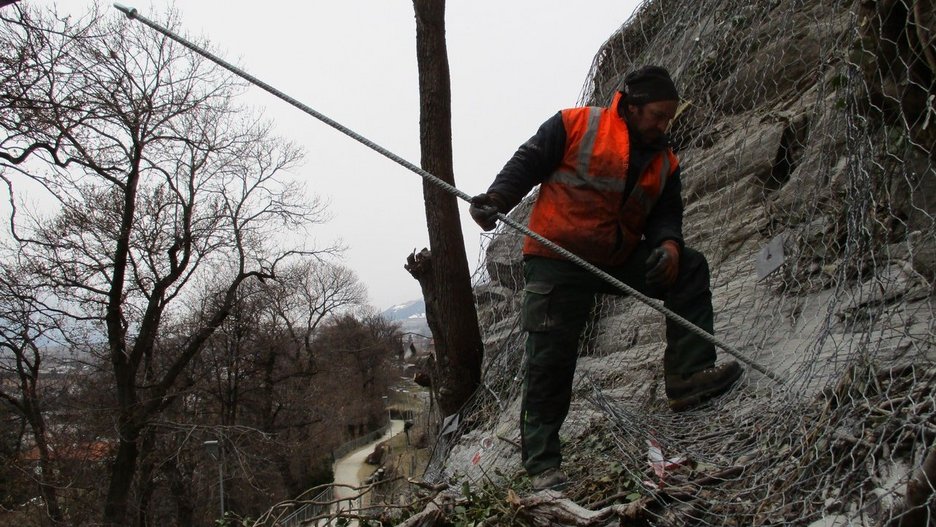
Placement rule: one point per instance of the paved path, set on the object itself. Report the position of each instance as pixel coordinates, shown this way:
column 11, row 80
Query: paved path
column 348, row 468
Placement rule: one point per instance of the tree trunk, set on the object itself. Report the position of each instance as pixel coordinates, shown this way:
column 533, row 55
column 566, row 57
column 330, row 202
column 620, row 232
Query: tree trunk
column 268, row 414
column 146, row 484
column 458, row 348
column 180, row 488
column 28, row 408
column 121, row 476
column 47, row 471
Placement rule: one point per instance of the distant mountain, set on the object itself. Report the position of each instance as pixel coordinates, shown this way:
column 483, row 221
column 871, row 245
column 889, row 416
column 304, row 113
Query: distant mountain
column 410, row 315
column 406, row 311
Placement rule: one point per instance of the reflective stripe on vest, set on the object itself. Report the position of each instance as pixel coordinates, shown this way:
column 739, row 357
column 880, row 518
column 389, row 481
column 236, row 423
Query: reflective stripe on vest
column 641, row 197
column 587, row 147
column 574, row 178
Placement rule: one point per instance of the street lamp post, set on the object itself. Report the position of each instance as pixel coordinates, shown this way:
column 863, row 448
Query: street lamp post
column 386, row 402
column 215, row 450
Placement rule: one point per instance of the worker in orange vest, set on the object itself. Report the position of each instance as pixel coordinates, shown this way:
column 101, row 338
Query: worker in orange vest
column 610, row 192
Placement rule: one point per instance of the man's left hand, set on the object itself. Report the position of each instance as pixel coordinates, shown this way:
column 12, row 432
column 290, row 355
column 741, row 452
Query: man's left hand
column 663, row 265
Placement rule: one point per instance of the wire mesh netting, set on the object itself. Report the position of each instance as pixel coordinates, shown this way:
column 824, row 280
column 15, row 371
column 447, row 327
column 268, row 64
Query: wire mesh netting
column 805, row 137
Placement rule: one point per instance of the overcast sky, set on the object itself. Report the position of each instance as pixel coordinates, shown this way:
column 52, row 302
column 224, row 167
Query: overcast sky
column 513, row 64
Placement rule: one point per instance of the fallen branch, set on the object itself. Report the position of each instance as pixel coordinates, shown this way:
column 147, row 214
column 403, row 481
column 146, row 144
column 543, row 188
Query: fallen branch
column 549, row 508
column 914, row 511
column 718, row 477
column 432, row 515
column 429, row 517
column 611, row 499
column 428, row 486
column 510, row 441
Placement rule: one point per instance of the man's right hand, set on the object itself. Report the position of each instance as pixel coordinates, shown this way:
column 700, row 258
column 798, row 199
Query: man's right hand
column 484, row 209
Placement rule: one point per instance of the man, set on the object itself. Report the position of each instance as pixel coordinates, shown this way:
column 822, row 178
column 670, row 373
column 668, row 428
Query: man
column 610, row 193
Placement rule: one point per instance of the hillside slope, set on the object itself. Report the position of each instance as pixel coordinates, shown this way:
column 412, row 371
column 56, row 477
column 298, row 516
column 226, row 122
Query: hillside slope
column 808, row 123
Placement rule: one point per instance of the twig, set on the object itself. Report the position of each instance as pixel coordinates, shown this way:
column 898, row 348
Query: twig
column 600, row 504
column 508, row 440
column 913, row 511
column 924, row 42
column 428, row 486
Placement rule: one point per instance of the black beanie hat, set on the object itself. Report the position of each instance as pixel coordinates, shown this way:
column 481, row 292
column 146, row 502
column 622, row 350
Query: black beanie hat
column 649, row 84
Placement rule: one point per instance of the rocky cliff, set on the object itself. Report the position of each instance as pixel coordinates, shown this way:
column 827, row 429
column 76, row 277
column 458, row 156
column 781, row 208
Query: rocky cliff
column 808, row 125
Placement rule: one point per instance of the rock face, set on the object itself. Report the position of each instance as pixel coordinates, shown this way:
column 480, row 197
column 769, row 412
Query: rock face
column 794, row 127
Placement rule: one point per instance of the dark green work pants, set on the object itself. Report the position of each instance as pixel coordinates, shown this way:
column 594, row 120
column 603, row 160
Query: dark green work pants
column 558, row 298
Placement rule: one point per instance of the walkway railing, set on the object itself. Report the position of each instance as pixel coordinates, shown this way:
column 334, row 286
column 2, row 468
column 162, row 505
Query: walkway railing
column 321, row 502
column 356, row 443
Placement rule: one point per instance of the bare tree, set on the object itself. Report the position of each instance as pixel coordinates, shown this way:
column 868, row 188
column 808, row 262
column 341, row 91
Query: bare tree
column 445, row 279
column 357, row 353
column 24, row 324
column 308, row 292
column 294, row 309
column 254, row 389
column 157, row 178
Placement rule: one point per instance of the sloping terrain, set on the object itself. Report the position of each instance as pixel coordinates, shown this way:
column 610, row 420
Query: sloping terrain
column 807, row 123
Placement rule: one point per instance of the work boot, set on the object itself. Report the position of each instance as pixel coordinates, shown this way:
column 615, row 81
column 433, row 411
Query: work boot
column 685, row 391
column 551, row 478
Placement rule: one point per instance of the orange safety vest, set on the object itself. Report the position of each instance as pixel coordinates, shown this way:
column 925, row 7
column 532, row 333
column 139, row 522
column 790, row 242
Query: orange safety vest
column 581, row 205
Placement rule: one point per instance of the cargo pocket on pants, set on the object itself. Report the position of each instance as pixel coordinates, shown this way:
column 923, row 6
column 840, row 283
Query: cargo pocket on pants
column 536, row 306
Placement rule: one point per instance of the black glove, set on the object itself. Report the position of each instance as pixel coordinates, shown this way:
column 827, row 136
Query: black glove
column 663, row 265
column 484, row 209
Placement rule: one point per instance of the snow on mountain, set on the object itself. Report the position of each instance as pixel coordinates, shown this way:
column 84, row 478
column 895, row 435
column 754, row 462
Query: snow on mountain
column 411, row 316
column 406, row 310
